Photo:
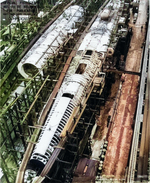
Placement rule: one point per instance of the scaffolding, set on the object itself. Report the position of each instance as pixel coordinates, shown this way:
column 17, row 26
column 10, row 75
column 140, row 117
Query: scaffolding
column 19, row 116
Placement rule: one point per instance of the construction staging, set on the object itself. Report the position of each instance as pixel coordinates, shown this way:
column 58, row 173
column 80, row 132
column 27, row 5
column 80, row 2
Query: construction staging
column 79, row 108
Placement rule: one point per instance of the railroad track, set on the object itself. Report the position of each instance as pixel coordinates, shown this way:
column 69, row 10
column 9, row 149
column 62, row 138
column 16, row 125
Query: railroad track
column 142, row 172
column 122, row 139
column 138, row 122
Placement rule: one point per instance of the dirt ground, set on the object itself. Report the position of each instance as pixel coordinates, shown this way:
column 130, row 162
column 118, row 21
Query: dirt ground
column 133, row 60
column 120, row 138
column 119, row 141
column 106, row 110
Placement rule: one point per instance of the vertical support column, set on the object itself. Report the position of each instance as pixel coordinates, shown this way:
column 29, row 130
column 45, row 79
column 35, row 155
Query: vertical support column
column 10, row 117
column 8, row 132
column 19, row 126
